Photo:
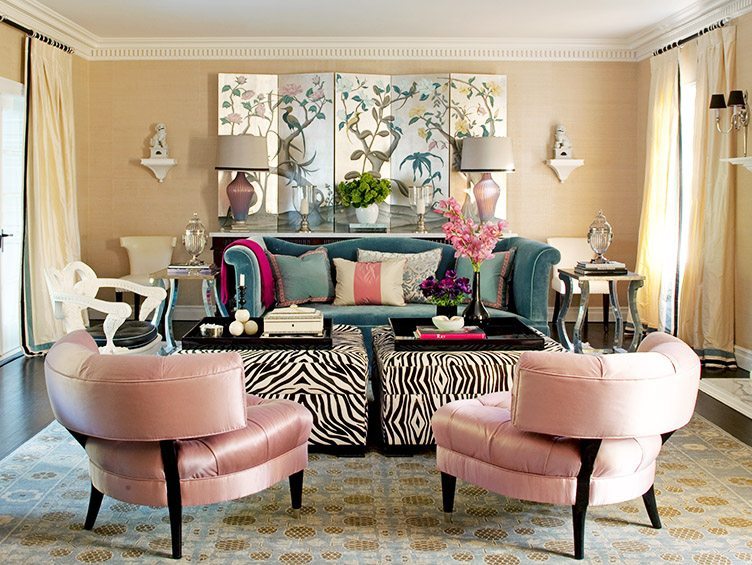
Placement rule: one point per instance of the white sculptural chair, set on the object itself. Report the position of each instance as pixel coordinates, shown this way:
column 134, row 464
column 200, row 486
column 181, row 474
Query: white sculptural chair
column 146, row 254
column 575, row 249
column 73, row 290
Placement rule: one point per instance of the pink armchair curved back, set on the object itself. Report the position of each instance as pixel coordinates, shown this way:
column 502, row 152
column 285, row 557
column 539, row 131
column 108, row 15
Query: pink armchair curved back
column 144, row 398
column 650, row 392
column 173, row 431
column 580, row 430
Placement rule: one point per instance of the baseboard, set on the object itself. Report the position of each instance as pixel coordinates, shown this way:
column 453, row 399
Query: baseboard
column 595, row 314
column 743, row 357
column 722, row 395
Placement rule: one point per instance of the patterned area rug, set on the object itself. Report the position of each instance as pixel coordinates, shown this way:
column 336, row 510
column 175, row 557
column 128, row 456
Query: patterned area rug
column 381, row 510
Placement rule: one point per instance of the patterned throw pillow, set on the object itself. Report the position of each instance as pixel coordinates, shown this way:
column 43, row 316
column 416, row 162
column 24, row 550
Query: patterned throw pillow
column 419, row 267
column 306, row 278
column 364, row 283
column 495, row 278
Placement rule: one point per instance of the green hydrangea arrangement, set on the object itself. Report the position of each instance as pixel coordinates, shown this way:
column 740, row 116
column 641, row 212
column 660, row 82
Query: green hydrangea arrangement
column 363, row 191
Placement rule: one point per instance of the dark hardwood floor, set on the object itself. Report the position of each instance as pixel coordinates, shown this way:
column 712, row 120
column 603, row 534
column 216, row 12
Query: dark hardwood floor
column 25, row 410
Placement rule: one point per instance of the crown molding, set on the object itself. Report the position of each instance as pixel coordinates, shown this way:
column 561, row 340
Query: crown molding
column 87, row 45
column 363, row 48
column 685, row 23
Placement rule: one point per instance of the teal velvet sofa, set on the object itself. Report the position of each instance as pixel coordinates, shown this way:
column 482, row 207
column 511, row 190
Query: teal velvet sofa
column 530, row 280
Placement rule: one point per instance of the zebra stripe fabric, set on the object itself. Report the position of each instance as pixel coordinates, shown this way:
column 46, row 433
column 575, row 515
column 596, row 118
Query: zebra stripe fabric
column 414, row 384
column 331, row 383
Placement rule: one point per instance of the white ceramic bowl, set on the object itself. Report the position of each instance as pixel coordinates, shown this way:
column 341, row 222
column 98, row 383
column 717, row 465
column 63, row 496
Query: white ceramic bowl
column 445, row 324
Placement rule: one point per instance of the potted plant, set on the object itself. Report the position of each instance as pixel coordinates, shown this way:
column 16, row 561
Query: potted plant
column 446, row 293
column 364, row 193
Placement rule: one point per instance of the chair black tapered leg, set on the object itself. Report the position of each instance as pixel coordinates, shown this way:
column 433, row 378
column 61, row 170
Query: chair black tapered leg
column 136, row 305
column 118, row 296
column 650, row 505
column 296, row 490
column 174, row 499
column 578, row 527
column 95, row 502
column 448, row 484
column 588, row 452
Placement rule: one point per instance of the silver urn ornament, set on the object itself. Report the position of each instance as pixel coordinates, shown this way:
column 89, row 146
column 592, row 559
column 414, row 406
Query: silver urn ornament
column 194, row 239
column 599, row 237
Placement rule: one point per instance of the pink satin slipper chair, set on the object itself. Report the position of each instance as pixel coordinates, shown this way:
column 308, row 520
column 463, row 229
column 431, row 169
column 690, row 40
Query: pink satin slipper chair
column 173, row 431
column 578, row 430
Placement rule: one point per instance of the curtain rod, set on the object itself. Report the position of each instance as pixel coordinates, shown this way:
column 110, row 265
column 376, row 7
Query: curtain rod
column 684, row 40
column 36, row 35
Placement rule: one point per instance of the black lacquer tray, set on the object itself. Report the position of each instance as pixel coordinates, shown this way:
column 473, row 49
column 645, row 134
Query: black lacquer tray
column 194, row 340
column 502, row 334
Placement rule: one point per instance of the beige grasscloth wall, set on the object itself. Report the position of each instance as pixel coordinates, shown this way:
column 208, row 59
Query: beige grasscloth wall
column 118, row 102
column 743, row 312
column 11, row 53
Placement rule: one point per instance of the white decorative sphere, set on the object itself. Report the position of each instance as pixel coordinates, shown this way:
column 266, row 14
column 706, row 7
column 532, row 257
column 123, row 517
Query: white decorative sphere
column 236, row 328
column 242, row 316
column 251, row 327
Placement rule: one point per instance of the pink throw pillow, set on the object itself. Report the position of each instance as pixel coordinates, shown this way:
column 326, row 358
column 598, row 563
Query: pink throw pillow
column 369, row 283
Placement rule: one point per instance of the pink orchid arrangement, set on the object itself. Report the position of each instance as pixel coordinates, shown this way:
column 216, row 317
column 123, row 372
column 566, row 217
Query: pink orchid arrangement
column 469, row 239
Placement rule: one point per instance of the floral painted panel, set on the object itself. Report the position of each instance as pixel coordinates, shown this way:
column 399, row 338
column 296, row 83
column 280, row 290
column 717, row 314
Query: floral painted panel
column 479, row 109
column 306, row 148
column 248, row 106
column 421, row 156
column 362, row 137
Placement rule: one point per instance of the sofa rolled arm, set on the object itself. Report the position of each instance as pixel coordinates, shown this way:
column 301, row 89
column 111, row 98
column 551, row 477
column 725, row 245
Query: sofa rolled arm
column 244, row 262
column 531, row 278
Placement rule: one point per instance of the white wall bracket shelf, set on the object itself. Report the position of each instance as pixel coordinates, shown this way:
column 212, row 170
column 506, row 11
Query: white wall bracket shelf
column 564, row 167
column 160, row 167
column 745, row 162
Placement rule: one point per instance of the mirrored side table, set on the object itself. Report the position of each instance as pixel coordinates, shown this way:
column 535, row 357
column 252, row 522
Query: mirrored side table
column 636, row 281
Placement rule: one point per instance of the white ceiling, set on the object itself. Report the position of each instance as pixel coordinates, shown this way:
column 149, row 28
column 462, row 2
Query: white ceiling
column 549, row 20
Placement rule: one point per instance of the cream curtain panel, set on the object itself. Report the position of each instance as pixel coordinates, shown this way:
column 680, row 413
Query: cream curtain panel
column 52, row 235
column 706, row 306
column 658, row 237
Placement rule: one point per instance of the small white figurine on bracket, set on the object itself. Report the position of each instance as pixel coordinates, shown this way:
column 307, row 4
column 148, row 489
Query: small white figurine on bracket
column 562, row 145
column 159, row 142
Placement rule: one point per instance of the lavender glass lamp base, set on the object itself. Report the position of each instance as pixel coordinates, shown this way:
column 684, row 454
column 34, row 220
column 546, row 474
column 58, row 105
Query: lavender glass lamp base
column 486, row 193
column 240, row 193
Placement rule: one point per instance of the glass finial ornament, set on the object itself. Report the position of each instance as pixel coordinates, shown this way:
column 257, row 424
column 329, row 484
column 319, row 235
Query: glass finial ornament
column 194, row 239
column 599, row 237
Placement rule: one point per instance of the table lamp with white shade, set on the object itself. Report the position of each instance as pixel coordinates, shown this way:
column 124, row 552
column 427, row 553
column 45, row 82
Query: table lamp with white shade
column 241, row 153
column 486, row 155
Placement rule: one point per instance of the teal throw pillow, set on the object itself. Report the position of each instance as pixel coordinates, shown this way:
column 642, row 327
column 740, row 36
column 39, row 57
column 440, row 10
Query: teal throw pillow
column 495, row 278
column 307, row 278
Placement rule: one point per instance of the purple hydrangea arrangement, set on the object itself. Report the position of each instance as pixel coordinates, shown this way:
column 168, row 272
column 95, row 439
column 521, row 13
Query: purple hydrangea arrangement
column 449, row 291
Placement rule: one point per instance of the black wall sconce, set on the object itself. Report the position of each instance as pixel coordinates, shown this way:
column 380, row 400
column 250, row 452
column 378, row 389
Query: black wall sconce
column 737, row 101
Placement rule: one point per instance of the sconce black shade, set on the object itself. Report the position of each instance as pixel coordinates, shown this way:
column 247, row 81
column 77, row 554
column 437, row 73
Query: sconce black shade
column 718, row 102
column 736, row 98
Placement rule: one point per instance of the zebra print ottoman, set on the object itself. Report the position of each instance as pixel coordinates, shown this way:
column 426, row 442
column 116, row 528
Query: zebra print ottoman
column 331, row 383
column 412, row 385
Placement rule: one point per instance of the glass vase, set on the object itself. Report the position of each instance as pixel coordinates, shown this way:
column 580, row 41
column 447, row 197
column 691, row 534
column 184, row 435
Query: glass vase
column 475, row 313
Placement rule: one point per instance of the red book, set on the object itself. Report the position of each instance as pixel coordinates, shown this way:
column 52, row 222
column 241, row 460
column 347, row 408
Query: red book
column 430, row 332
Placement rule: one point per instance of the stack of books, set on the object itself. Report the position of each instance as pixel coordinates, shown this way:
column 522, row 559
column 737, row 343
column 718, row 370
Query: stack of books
column 607, row 268
column 468, row 332
column 178, row 269
column 294, row 320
